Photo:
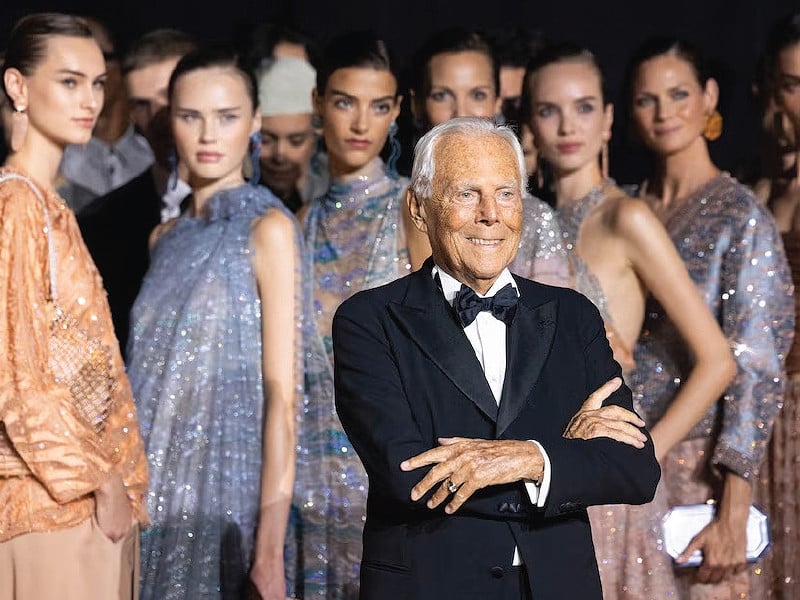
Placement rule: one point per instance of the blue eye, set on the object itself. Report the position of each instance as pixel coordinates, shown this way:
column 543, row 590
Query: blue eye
column 679, row 95
column 545, row 111
column 343, row 103
column 479, row 95
column 585, row 107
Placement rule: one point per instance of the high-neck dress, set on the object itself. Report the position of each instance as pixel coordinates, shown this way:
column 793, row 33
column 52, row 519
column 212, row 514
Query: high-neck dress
column 195, row 363
column 355, row 241
column 734, row 254
column 630, row 554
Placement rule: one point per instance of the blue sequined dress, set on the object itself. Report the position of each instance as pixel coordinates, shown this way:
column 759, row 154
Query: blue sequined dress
column 355, row 240
column 734, row 254
column 196, row 370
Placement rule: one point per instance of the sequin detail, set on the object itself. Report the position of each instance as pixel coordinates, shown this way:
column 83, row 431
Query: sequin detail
column 628, row 540
column 733, row 252
column 570, row 218
column 196, row 367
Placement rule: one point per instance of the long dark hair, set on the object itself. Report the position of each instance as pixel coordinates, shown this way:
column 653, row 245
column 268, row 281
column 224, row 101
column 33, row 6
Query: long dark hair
column 27, row 44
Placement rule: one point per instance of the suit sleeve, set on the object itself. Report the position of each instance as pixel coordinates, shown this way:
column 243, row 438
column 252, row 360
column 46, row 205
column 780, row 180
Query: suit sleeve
column 601, row 470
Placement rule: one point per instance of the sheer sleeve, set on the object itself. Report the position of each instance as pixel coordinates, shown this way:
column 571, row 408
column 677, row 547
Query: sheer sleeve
column 757, row 317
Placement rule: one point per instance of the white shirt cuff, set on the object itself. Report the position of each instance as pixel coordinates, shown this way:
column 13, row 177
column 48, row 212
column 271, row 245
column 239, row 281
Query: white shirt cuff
column 538, row 492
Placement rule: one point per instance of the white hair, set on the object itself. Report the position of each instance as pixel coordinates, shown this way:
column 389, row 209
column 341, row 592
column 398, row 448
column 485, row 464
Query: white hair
column 424, row 169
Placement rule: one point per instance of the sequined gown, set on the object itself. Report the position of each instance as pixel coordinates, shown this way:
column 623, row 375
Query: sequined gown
column 355, row 240
column 733, row 253
column 779, row 481
column 196, row 368
column 630, row 555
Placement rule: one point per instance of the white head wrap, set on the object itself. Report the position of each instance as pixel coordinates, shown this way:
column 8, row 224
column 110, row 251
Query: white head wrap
column 284, row 87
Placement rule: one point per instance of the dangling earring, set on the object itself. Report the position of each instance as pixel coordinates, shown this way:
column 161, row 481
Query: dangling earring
column 172, row 158
column 318, row 163
column 19, row 127
column 255, row 155
column 604, row 161
column 395, row 150
column 713, row 128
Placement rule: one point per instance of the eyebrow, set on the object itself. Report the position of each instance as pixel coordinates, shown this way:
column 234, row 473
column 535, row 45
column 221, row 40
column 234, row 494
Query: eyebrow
column 216, row 110
column 351, row 97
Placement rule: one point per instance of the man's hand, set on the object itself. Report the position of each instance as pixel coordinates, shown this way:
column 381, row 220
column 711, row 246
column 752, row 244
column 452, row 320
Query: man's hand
column 594, row 420
column 471, row 464
column 113, row 509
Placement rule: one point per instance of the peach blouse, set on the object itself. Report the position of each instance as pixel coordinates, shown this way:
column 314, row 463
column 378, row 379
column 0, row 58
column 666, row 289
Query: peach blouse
column 51, row 457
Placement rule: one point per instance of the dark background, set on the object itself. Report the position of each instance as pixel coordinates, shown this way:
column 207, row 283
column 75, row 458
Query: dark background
column 730, row 32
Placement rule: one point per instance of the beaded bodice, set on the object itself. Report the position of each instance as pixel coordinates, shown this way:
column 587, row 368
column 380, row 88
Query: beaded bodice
column 355, row 240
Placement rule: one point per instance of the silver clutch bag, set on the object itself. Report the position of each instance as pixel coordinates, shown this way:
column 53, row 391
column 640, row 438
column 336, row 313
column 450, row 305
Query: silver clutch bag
column 682, row 523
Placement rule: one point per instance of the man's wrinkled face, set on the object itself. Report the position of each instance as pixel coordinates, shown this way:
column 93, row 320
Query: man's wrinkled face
column 474, row 217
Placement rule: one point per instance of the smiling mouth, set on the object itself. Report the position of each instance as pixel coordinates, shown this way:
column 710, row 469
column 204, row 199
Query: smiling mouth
column 483, row 242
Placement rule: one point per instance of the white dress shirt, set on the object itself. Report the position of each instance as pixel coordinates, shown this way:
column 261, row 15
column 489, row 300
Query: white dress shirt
column 487, row 335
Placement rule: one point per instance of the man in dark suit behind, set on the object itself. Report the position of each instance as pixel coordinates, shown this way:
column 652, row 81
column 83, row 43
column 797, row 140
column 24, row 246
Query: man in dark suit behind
column 462, row 389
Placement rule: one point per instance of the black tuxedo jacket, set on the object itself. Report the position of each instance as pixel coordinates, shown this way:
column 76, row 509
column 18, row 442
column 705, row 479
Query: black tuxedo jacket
column 406, row 374
column 116, row 228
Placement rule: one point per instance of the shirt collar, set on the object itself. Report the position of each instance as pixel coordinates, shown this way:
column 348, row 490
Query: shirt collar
column 451, row 285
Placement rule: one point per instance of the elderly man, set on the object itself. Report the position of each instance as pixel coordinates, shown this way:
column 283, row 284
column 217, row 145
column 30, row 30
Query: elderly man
column 461, row 388
column 287, row 135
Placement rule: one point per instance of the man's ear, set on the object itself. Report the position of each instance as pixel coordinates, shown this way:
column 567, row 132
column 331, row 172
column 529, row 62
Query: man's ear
column 417, row 211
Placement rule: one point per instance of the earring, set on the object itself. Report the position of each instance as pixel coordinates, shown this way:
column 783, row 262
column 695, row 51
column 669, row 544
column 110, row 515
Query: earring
column 19, row 127
column 172, row 158
column 319, row 164
column 604, row 161
column 395, row 150
column 255, row 155
column 713, row 128
column 316, row 121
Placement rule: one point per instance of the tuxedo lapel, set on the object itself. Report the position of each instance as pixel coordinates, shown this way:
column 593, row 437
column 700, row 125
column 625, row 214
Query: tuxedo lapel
column 529, row 339
column 430, row 322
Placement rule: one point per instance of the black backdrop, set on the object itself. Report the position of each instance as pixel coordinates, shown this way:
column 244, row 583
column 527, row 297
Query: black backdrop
column 730, row 32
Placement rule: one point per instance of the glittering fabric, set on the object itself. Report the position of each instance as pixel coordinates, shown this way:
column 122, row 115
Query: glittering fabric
column 570, row 218
column 779, row 480
column 355, row 240
column 627, row 539
column 196, row 368
column 64, row 458
column 541, row 255
column 734, row 254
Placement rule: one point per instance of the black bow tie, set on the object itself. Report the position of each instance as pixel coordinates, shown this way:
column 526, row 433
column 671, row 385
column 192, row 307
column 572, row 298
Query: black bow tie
column 503, row 305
